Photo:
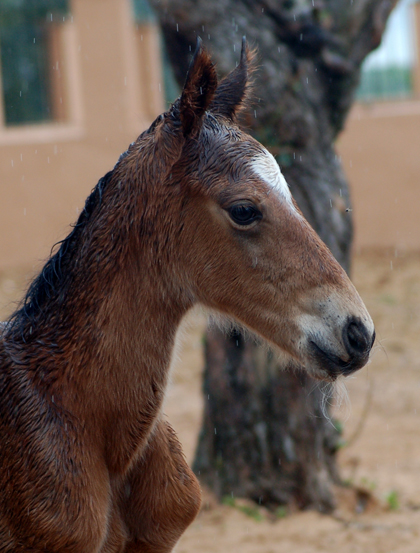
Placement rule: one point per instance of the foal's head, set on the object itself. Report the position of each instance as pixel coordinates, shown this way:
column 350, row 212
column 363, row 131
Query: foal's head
column 243, row 246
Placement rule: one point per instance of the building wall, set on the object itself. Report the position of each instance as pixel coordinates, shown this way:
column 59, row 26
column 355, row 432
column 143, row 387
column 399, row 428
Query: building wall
column 46, row 171
column 380, row 151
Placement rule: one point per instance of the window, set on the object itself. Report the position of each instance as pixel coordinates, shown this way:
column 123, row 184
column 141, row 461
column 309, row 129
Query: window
column 387, row 73
column 31, row 83
column 144, row 16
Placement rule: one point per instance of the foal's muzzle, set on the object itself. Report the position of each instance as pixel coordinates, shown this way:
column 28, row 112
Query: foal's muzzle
column 357, row 341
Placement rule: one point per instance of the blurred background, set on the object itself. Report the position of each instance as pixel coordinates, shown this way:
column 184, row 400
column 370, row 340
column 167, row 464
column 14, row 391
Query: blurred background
column 79, row 80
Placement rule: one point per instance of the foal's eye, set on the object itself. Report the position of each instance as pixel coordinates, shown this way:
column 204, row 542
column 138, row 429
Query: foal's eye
column 244, row 214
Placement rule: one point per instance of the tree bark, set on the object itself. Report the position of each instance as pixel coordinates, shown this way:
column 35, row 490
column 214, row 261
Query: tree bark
column 264, row 435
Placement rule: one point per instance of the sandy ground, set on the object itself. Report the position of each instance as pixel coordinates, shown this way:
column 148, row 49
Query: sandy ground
column 381, row 425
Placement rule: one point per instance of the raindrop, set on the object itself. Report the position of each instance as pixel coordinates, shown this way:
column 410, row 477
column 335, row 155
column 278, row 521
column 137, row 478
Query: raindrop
column 255, row 113
column 215, row 430
column 330, row 203
column 177, row 27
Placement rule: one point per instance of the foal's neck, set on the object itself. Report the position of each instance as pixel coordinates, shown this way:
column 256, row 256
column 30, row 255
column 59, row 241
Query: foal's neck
column 132, row 363
column 117, row 325
column 123, row 379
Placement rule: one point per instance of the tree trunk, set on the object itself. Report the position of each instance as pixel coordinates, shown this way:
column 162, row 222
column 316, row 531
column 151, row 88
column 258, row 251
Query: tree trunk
column 264, row 435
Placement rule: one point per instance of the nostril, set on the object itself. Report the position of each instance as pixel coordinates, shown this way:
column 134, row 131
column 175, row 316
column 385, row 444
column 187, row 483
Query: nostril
column 357, row 338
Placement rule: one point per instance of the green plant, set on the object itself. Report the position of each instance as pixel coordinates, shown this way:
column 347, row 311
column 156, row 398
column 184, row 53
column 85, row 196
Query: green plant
column 249, row 510
column 281, row 512
column 368, row 484
column 228, row 500
column 392, row 500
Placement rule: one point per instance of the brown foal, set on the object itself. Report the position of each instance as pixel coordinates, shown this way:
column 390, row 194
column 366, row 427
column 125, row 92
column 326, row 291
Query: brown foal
column 194, row 212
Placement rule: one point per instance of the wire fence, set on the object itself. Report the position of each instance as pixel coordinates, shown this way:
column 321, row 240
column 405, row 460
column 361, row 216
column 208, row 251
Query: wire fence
column 387, row 73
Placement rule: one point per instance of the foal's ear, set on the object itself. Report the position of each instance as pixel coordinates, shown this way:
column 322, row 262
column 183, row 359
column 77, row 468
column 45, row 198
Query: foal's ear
column 199, row 89
column 235, row 89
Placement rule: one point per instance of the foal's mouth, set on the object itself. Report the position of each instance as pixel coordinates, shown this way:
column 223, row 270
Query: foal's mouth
column 333, row 365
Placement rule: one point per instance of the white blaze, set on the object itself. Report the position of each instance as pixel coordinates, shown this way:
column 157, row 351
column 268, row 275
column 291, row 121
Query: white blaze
column 267, row 168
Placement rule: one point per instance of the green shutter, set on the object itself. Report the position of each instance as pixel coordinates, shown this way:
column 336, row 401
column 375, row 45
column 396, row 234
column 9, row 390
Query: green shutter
column 25, row 60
